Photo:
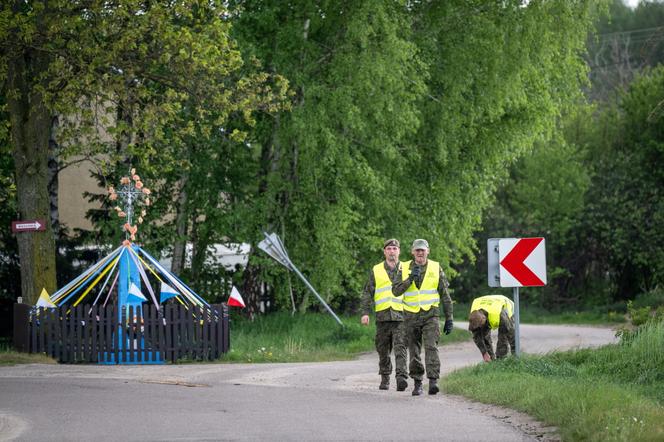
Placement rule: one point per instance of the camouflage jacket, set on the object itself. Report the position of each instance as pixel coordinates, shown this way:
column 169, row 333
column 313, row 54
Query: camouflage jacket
column 443, row 292
column 398, row 287
column 482, row 335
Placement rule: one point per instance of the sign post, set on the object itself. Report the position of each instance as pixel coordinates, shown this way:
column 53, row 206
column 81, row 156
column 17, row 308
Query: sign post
column 516, row 262
column 517, row 322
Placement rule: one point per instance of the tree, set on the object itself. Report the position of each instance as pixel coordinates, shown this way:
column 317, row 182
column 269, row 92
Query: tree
column 153, row 75
column 627, row 41
column 626, row 208
column 544, row 195
column 9, row 266
column 324, row 169
column 407, row 116
column 23, row 69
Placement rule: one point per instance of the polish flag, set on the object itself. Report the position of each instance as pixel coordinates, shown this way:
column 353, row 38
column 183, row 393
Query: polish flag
column 235, row 300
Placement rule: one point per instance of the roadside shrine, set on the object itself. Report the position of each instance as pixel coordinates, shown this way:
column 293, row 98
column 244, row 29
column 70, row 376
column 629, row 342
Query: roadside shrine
column 104, row 316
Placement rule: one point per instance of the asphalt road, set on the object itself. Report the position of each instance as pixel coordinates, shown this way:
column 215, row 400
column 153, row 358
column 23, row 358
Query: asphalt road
column 307, row 401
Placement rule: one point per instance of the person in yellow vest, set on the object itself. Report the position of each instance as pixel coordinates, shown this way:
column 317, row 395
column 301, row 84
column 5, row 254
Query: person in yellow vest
column 489, row 313
column 427, row 288
column 383, row 294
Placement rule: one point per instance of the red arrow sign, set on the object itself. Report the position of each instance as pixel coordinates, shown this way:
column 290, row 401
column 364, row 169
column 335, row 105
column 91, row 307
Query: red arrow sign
column 28, row 225
column 514, row 262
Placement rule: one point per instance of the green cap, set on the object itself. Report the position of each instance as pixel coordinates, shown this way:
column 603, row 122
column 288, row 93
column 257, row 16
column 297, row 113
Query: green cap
column 419, row 244
column 391, row 242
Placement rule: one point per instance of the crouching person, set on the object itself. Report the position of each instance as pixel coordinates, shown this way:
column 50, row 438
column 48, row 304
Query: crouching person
column 489, row 313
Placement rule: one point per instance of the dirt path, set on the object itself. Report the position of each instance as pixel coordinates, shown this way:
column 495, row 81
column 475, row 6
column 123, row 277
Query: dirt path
column 308, row 401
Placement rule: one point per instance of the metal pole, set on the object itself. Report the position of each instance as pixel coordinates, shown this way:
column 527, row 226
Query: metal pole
column 315, row 292
column 516, row 322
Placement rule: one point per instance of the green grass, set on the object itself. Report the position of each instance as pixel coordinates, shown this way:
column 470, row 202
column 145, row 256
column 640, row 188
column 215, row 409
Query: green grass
column 280, row 337
column 612, row 393
column 11, row 357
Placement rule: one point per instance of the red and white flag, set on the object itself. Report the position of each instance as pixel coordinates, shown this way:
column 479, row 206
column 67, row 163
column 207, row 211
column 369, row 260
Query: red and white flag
column 235, row 300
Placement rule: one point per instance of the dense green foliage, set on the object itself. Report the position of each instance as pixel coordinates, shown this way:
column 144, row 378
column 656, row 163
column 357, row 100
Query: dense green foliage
column 597, row 198
column 612, row 393
column 405, row 118
column 9, row 262
column 149, row 84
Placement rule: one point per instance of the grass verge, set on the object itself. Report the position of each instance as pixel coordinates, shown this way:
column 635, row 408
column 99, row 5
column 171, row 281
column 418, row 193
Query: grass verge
column 280, row 337
column 612, row 393
column 11, row 357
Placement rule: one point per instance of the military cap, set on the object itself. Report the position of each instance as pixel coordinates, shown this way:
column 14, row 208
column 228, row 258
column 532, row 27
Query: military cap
column 419, row 244
column 476, row 320
column 391, row 242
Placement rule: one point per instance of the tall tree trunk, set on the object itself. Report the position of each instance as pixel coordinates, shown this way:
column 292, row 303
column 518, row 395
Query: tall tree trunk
column 53, row 170
column 201, row 241
column 181, row 224
column 30, row 129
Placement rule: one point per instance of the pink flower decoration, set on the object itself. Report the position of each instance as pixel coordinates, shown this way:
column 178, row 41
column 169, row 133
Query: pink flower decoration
column 121, row 214
column 113, row 196
column 124, row 180
column 146, row 191
column 136, row 178
column 139, row 184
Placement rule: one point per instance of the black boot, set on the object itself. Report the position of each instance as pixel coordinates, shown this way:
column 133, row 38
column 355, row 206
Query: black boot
column 433, row 386
column 384, row 382
column 417, row 389
column 401, row 384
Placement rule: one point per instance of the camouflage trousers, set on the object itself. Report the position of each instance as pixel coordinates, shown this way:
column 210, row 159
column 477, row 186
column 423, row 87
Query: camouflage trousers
column 390, row 335
column 423, row 328
column 506, row 339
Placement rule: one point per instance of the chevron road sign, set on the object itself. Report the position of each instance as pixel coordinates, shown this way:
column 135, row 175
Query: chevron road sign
column 522, row 262
column 516, row 262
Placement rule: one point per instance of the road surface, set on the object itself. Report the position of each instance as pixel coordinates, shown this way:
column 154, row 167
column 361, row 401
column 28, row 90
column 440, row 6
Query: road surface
column 303, row 401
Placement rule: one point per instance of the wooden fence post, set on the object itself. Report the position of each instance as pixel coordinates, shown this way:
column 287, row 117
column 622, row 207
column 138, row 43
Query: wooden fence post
column 22, row 327
column 227, row 328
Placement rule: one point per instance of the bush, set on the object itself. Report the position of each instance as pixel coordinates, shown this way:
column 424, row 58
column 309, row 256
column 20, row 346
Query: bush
column 653, row 298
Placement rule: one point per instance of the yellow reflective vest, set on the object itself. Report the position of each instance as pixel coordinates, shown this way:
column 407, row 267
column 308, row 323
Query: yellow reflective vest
column 493, row 304
column 426, row 296
column 383, row 297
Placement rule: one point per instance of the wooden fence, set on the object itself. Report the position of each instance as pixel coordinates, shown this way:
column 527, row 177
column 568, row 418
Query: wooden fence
column 137, row 335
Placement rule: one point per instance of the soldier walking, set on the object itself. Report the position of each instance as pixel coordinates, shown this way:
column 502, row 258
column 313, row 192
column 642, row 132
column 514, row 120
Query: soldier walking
column 427, row 287
column 384, row 291
column 489, row 313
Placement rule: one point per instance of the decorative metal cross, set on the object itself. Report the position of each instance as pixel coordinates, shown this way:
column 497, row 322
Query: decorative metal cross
column 131, row 191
